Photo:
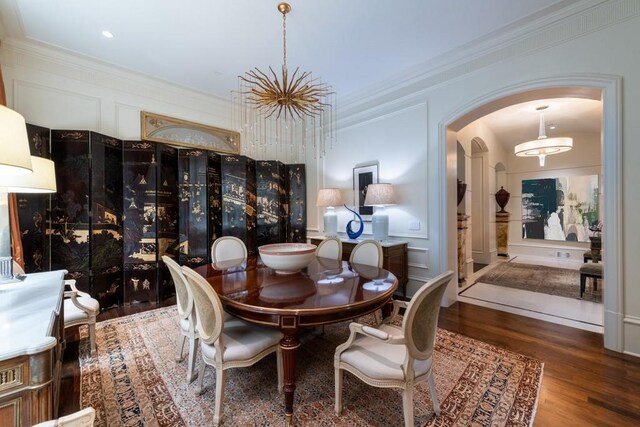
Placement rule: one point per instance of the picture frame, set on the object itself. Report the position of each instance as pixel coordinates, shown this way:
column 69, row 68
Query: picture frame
column 183, row 133
column 363, row 176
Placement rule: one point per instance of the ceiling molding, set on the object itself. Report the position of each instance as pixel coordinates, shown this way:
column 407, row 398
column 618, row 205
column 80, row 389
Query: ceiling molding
column 568, row 23
column 18, row 53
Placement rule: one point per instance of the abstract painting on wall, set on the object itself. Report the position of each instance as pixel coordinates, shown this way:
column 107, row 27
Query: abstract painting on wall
column 559, row 208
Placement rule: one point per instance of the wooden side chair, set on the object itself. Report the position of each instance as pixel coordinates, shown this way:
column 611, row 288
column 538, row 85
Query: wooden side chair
column 186, row 316
column 225, row 344
column 396, row 357
column 330, row 247
column 593, row 271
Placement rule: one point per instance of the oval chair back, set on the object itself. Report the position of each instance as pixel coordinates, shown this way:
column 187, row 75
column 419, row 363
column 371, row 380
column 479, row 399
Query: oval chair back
column 209, row 310
column 184, row 300
column 421, row 317
column 227, row 248
column 331, row 247
column 368, row 252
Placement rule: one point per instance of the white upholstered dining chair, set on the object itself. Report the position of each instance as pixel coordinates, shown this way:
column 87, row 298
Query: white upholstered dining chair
column 396, row 357
column 368, row 252
column 82, row 418
column 227, row 248
column 80, row 309
column 227, row 343
column 330, row 247
column 186, row 316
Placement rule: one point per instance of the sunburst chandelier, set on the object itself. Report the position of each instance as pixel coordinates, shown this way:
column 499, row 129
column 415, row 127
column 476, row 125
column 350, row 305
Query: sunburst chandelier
column 283, row 115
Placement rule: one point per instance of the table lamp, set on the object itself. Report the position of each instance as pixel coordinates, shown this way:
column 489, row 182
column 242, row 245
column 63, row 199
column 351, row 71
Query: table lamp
column 42, row 180
column 380, row 195
column 329, row 197
column 15, row 160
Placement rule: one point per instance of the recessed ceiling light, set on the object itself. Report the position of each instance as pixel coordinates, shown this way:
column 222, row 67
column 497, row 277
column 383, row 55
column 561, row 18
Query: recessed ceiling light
column 107, row 34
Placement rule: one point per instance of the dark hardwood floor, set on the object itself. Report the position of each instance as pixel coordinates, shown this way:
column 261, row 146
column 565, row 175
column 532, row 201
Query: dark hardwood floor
column 583, row 384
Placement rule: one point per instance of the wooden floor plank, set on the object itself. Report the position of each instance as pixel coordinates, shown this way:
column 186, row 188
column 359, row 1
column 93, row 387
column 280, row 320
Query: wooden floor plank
column 583, row 384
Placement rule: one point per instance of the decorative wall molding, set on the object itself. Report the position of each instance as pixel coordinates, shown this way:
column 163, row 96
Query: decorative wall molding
column 22, row 53
column 517, row 40
column 22, row 85
column 416, row 263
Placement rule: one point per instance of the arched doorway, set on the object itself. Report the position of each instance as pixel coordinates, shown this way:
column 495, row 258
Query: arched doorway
column 605, row 88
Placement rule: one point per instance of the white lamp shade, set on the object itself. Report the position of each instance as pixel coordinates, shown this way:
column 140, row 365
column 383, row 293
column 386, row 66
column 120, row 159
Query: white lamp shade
column 380, row 195
column 42, row 180
column 15, row 156
column 329, row 197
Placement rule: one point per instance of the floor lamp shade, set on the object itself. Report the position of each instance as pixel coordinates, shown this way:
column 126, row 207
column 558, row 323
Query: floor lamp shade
column 380, row 195
column 15, row 157
column 328, row 198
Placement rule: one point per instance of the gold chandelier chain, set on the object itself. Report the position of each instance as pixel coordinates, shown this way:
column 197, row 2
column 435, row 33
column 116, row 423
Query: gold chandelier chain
column 284, row 39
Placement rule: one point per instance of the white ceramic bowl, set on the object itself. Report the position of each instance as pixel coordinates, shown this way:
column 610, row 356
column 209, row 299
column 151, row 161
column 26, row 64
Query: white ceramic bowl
column 286, row 258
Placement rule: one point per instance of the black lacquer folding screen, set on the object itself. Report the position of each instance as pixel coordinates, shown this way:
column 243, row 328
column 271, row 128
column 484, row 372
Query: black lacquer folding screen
column 122, row 205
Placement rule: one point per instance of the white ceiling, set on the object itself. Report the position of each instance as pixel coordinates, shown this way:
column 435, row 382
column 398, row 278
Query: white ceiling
column 206, row 44
column 351, row 44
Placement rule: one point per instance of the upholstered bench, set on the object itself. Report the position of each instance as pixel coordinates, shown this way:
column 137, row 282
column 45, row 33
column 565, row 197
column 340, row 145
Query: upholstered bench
column 592, row 270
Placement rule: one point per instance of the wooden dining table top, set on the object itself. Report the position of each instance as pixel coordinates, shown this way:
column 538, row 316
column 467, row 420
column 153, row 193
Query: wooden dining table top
column 325, row 291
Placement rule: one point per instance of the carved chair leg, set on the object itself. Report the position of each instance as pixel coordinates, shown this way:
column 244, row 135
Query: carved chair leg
column 192, row 359
column 217, row 412
column 338, row 384
column 434, row 394
column 407, row 405
column 199, row 387
column 92, row 337
column 180, row 345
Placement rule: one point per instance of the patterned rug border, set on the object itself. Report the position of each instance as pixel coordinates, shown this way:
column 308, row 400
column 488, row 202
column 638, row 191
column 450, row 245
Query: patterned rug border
column 156, row 406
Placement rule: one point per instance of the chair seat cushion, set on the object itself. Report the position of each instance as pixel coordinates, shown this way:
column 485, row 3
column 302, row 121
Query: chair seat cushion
column 380, row 360
column 73, row 313
column 593, row 269
column 243, row 340
column 587, row 254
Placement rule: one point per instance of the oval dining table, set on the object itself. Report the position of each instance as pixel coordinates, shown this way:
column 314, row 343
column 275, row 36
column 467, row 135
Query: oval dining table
column 326, row 291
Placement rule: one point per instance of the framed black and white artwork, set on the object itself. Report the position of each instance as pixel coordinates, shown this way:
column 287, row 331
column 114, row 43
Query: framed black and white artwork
column 363, row 176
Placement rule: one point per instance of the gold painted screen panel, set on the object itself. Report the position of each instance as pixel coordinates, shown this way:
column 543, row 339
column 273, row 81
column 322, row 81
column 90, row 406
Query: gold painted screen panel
column 183, row 133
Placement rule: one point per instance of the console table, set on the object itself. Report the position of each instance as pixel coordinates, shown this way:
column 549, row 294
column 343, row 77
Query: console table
column 31, row 346
column 394, row 256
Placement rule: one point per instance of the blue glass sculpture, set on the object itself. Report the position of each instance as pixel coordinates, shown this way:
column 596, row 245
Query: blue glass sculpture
column 354, row 234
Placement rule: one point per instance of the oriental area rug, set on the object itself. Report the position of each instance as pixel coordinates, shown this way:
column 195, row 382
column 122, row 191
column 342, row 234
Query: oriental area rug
column 561, row 282
column 134, row 380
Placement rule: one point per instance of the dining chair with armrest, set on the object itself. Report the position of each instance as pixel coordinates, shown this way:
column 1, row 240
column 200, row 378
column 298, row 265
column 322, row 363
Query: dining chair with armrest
column 186, row 316
column 82, row 418
column 80, row 309
column 396, row 357
column 227, row 343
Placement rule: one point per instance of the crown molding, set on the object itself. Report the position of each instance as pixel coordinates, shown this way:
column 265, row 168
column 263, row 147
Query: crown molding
column 34, row 55
column 570, row 20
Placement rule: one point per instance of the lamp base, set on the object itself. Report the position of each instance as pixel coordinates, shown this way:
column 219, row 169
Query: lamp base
column 330, row 222
column 380, row 225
